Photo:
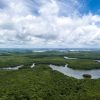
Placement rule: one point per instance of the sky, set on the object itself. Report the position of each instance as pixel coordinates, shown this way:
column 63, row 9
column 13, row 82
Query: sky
column 49, row 23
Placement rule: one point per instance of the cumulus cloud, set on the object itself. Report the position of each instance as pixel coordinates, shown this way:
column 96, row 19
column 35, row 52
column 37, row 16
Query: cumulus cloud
column 47, row 23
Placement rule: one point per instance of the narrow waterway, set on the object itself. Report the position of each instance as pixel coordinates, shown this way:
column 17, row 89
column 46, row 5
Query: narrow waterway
column 68, row 58
column 33, row 65
column 78, row 74
column 12, row 68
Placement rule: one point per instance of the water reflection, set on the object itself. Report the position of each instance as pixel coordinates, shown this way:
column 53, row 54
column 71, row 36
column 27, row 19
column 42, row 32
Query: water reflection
column 95, row 74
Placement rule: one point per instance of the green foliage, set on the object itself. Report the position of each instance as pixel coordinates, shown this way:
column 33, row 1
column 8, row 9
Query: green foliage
column 42, row 83
column 14, row 60
column 83, row 64
column 50, row 60
column 87, row 76
column 84, row 55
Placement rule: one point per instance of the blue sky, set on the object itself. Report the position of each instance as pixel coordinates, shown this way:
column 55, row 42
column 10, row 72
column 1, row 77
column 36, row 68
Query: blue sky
column 87, row 6
column 93, row 6
column 50, row 23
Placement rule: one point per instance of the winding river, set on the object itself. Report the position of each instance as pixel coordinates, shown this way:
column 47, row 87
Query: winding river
column 78, row 74
column 17, row 67
column 12, row 68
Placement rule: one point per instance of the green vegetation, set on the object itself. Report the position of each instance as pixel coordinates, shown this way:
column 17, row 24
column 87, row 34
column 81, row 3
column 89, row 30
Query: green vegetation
column 50, row 60
column 42, row 83
column 84, row 55
column 83, row 64
column 47, row 58
column 87, row 76
column 14, row 60
column 6, row 61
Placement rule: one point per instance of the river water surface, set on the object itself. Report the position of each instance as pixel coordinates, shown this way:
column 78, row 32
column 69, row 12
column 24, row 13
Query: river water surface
column 95, row 73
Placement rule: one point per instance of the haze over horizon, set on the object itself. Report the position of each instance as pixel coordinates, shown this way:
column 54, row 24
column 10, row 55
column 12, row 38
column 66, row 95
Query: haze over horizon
column 49, row 23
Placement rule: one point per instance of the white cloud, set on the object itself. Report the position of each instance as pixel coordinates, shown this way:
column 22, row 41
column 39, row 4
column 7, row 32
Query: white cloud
column 20, row 26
